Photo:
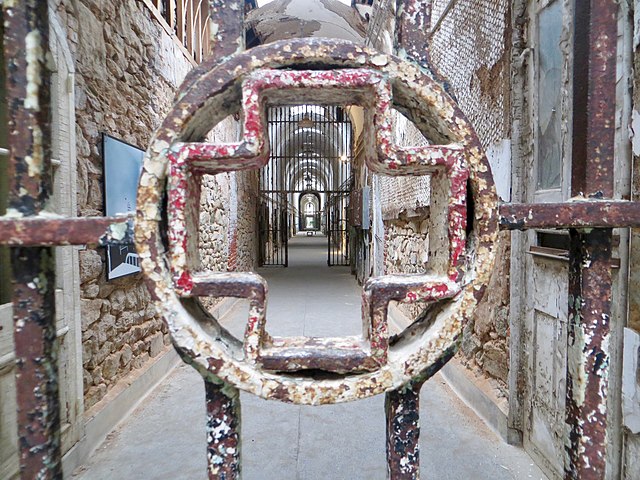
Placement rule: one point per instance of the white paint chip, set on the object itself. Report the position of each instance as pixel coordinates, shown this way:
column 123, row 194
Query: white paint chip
column 499, row 156
column 630, row 382
column 634, row 132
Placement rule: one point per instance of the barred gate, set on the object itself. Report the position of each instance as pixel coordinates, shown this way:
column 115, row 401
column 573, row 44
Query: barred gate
column 338, row 229
column 304, row 187
column 31, row 234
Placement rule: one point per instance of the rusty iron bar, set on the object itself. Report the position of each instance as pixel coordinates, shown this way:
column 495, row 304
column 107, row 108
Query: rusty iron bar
column 402, row 409
column 588, row 353
column 48, row 231
column 227, row 38
column 583, row 214
column 594, row 100
column 413, row 35
column 26, row 42
column 413, row 18
column 223, row 430
column 228, row 18
column 223, row 400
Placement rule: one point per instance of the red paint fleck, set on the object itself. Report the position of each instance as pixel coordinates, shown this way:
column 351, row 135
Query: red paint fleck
column 185, row 282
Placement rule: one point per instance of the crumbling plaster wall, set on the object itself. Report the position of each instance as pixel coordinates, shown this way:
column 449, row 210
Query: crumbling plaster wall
column 128, row 70
column 470, row 47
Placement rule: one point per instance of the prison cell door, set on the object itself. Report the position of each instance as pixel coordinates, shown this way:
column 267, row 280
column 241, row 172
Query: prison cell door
column 337, row 229
column 545, row 253
column 273, row 221
column 540, row 266
column 310, row 157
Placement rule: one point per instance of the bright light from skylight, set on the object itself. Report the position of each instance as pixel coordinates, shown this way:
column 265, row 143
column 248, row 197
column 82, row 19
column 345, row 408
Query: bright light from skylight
column 264, row 2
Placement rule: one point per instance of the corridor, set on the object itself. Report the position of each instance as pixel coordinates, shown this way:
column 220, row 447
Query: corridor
column 164, row 437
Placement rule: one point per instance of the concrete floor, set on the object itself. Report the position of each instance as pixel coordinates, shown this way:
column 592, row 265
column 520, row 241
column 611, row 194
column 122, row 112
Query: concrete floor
column 164, row 438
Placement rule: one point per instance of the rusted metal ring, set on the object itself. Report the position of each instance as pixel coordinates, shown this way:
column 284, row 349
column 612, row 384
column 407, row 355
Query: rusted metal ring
column 214, row 95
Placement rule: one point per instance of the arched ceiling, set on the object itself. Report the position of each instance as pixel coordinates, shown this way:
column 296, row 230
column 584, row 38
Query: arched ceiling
column 284, row 19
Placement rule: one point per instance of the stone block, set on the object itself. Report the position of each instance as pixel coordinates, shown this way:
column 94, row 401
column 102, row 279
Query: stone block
column 139, row 348
column 102, row 353
column 495, row 359
column 94, row 395
column 96, row 376
column 91, row 48
column 117, row 299
column 155, row 344
column 87, row 379
column 502, row 321
column 90, row 311
column 106, row 289
column 110, row 366
column 89, row 350
column 470, row 343
column 90, row 265
column 131, row 299
column 127, row 355
column 91, row 291
column 140, row 360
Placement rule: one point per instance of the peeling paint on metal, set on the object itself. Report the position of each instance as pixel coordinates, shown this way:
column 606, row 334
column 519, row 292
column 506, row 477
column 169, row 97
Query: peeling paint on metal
column 214, row 95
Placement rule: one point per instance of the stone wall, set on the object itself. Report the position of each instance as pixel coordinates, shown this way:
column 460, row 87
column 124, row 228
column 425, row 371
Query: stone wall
column 128, row 70
column 485, row 340
column 244, row 249
column 218, row 192
column 214, row 222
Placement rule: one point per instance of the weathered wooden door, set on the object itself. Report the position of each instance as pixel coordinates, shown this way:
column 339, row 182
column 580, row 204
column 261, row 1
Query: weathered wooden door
column 540, row 257
column 545, row 252
column 67, row 293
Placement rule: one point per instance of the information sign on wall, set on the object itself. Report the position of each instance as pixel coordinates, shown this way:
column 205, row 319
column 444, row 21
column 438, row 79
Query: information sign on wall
column 122, row 167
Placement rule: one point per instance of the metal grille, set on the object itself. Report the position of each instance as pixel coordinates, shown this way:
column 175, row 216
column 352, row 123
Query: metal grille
column 337, row 229
column 31, row 233
column 305, row 185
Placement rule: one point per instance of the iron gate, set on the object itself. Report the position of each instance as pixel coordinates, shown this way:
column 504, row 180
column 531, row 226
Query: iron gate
column 31, row 235
column 273, row 228
column 309, row 168
column 337, row 229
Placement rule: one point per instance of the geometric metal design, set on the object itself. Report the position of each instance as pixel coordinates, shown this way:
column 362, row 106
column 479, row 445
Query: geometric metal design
column 314, row 71
column 415, row 355
column 188, row 161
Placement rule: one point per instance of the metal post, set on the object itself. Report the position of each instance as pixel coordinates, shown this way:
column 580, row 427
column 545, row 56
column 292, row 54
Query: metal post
column 590, row 251
column 402, row 409
column 223, row 431
column 228, row 20
column 26, row 43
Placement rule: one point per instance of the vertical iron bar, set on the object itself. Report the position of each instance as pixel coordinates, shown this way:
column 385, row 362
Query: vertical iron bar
column 402, row 409
column 328, row 227
column 223, row 431
column 227, row 17
column 28, row 79
column 413, row 26
column 590, row 252
column 588, row 353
